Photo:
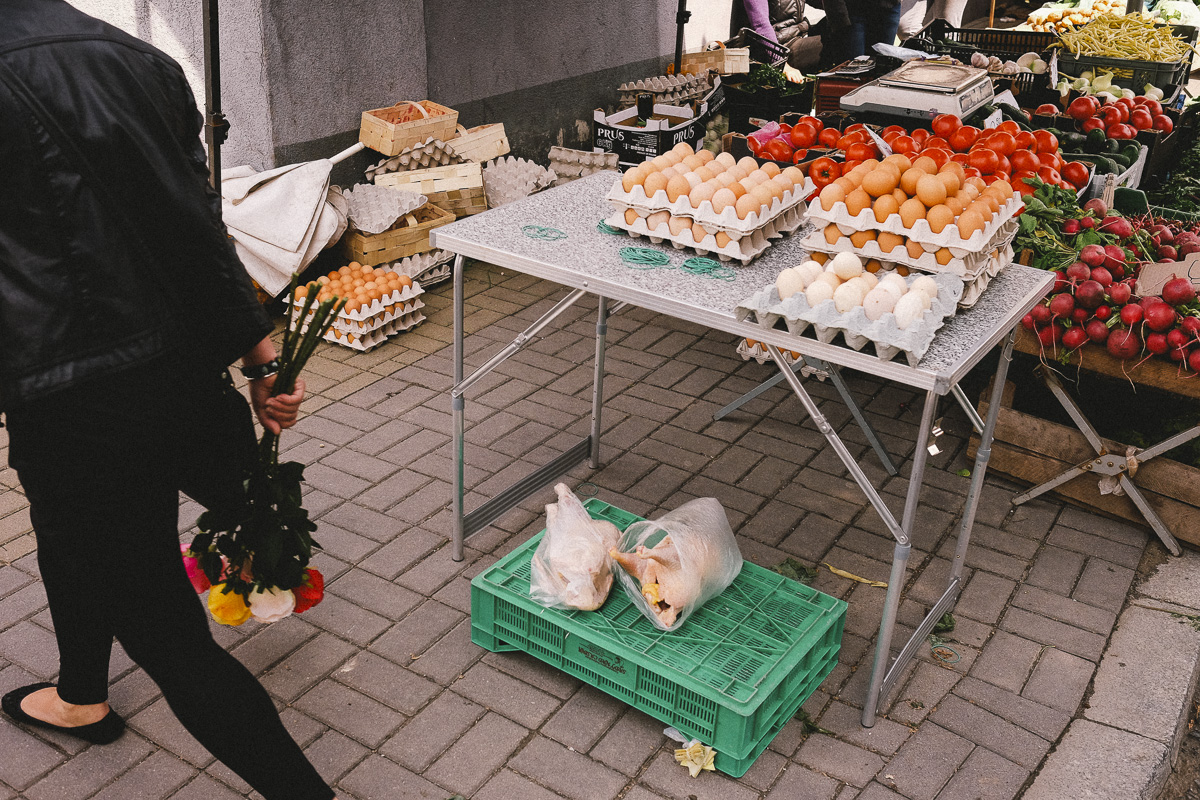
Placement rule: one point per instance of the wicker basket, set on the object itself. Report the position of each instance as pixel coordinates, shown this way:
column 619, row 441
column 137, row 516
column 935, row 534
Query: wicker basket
column 390, row 130
column 481, row 143
column 457, row 188
column 410, row 235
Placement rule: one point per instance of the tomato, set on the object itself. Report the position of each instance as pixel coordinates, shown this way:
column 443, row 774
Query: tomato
column 896, row 129
column 829, row 137
column 944, row 125
column 1121, row 131
column 971, row 172
column 939, row 155
column 1046, row 109
column 920, row 135
column 778, row 149
column 1025, row 159
column 824, row 171
column 799, row 156
column 1001, row 175
column 1047, row 142
column 811, row 120
column 1090, row 124
column 1008, row 126
column 1081, row 108
column 861, row 151
column 847, row 139
column 858, row 126
column 1162, row 122
column 1141, row 119
column 1005, row 165
column 963, row 138
column 1124, row 109
column 962, row 159
column 1003, row 143
column 1153, row 106
column 1049, row 175
column 754, row 145
column 1021, row 186
column 904, row 144
column 937, row 142
column 1076, row 173
column 1110, row 115
column 984, row 159
column 849, row 165
column 803, row 135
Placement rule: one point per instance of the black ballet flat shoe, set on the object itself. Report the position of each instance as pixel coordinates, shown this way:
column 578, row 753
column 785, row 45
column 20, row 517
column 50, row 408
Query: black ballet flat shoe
column 103, row 732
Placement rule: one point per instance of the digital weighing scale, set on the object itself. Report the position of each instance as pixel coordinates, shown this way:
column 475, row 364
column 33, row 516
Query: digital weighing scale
column 922, row 90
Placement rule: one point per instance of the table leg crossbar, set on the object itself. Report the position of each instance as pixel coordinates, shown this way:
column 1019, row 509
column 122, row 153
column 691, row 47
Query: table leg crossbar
column 1121, row 466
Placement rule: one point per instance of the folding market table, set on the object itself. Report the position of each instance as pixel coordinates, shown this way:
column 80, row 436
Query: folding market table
column 554, row 235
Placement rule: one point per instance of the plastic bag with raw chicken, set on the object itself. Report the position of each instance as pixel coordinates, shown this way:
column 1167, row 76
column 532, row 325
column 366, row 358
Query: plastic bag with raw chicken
column 674, row 564
column 571, row 568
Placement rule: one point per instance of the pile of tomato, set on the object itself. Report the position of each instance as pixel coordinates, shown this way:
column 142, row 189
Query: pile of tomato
column 1005, row 152
column 1119, row 119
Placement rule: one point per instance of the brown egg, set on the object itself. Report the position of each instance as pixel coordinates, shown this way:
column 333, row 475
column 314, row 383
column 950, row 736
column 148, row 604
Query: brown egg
column 943, row 256
column 926, row 164
column 683, row 149
column 671, row 172
column 1003, row 190
column 692, row 161
column 879, row 182
column 771, row 168
column 908, row 181
column 677, row 225
column 773, row 188
column 956, row 168
column 847, row 185
column 795, row 175
column 884, row 207
column 693, row 180
column 654, row 183
column 705, row 155
column 856, row 201
column 900, row 160
column 630, row 216
column 705, row 173
column 911, row 211
column 831, row 195
column 832, row 234
column 677, row 187
column 301, row 292
column 969, row 222
column 951, row 181
column 747, row 204
column 931, row 191
column 698, row 233
column 967, row 193
column 747, row 164
column 939, row 217
column 820, row 258
column 737, row 189
column 915, row 251
column 889, row 241
column 978, row 183
column 900, row 196
column 722, row 199
column 704, row 191
column 722, row 238
column 955, row 205
column 653, row 221
column 660, row 163
column 860, row 238
column 902, row 270
column 872, row 266
column 724, row 158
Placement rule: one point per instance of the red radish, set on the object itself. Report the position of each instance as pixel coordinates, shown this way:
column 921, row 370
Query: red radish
column 1074, row 338
column 1102, row 276
column 1070, row 227
column 1160, row 317
column 1089, row 294
column 1097, row 331
column 1166, row 252
column 1178, row 291
column 1164, row 233
column 1114, row 256
column 1079, row 315
column 1191, row 326
column 1041, row 315
column 1123, row 343
column 1061, row 305
column 1087, row 222
column 1131, row 314
column 1194, row 360
column 1050, row 335
column 1120, row 293
column 1117, row 226
column 1150, row 300
column 1191, row 246
column 1093, row 255
column 1078, row 272
column 1177, row 341
column 1060, row 282
column 1096, row 206
column 1028, row 323
column 1156, row 343
column 1103, row 312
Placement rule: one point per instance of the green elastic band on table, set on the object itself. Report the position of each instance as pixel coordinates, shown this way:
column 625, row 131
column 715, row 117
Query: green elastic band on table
column 543, row 233
column 604, row 227
column 707, row 268
column 645, row 258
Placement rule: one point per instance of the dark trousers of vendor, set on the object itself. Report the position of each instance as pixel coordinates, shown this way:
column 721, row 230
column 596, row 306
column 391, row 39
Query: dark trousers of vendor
column 102, row 465
column 871, row 22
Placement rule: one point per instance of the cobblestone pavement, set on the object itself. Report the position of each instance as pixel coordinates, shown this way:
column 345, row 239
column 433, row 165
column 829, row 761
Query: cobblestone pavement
column 383, row 687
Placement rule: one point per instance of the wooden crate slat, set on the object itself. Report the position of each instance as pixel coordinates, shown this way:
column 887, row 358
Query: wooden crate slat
column 397, row 243
column 481, row 143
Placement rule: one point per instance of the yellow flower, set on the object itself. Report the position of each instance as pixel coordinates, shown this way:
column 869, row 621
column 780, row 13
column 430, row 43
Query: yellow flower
column 227, row 608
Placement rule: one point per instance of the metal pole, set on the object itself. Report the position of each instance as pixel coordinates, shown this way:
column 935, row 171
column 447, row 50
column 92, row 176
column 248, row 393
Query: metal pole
column 215, row 126
column 598, row 381
column 681, row 17
column 458, row 405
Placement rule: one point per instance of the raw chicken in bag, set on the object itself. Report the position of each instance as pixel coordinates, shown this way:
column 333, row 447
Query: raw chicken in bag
column 571, row 568
column 672, row 565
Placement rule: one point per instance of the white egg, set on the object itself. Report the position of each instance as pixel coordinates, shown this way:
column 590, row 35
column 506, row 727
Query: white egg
column 828, row 277
column 926, row 284
column 818, row 292
column 848, row 296
column 870, row 279
column 809, row 270
column 788, row 283
column 926, row 303
column 896, row 281
column 909, row 309
column 845, row 266
column 878, row 302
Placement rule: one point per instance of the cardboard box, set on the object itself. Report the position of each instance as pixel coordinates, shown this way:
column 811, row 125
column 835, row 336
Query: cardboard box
column 616, row 133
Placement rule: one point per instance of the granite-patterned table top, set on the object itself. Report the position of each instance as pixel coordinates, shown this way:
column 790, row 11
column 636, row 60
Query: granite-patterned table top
column 589, row 259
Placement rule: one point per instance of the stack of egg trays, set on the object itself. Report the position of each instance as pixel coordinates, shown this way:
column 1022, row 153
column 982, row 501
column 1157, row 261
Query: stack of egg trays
column 766, row 309
column 368, row 326
column 430, row 268
column 671, row 90
column 743, row 249
column 429, row 153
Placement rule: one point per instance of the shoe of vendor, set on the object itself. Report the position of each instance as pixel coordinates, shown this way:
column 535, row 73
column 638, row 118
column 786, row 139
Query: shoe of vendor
column 104, row 731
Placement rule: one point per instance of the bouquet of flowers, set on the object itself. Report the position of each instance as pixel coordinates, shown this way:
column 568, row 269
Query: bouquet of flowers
column 253, row 558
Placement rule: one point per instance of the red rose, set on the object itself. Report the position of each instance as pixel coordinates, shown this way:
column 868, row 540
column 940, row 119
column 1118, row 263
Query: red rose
column 310, row 591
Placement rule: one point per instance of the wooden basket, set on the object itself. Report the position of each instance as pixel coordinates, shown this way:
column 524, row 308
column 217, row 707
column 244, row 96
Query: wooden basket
column 725, row 60
column 390, row 130
column 457, row 188
column 410, row 235
column 481, row 143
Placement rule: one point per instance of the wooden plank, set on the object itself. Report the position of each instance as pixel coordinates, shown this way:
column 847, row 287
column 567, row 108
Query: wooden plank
column 1155, row 372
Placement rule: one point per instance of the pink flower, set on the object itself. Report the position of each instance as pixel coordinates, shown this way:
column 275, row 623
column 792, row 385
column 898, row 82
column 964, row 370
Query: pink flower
column 196, row 575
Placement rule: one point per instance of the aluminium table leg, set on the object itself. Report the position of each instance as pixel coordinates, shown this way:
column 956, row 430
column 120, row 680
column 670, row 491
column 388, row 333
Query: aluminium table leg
column 598, row 380
column 839, row 383
column 458, row 405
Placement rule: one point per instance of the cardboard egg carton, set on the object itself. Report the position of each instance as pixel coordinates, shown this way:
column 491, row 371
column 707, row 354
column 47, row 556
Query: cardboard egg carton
column 727, row 221
column 375, row 209
column 429, row 153
column 966, row 267
column 509, row 179
column 569, row 165
column 376, row 337
column 974, row 287
column 744, row 249
column 766, row 309
column 671, row 90
column 376, row 307
column 378, row 320
column 920, row 232
column 428, row 268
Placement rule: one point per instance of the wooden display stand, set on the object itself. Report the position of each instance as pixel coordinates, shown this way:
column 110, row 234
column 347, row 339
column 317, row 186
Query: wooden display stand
column 1035, row 450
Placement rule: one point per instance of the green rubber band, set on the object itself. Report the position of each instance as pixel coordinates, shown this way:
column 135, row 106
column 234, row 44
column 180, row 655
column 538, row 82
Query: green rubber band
column 708, row 268
column 543, row 233
column 644, row 258
column 604, row 227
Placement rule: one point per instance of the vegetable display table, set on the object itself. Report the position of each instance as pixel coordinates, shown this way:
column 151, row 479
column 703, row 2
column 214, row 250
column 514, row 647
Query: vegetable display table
column 553, row 235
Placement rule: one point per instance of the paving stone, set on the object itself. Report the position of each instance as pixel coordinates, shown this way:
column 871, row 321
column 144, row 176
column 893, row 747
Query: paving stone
column 569, row 773
column 1051, row 632
column 629, row 742
column 86, row 773
column 1079, row 615
column 536, row 672
column 206, row 788
column 642, row 793
column 1006, row 661
column 1117, row 530
column 1104, row 585
column 764, row 771
column 514, row 699
column 435, row 570
column 32, row 647
column 1082, row 766
column 271, row 643
column 926, row 763
column 364, row 521
column 987, row 729
column 1056, row 569
column 431, row 732
column 1146, row 680
column 388, row 683
column 985, row 776
column 985, row 597
column 401, row 553
column 798, row 782
column 349, row 547
column 159, row 724
column 305, row 667
column 843, row 761
column 376, row 778
column 350, row 712
column 1042, row 720
column 1059, row 680
column 479, row 753
column 347, row 620
column 375, row 594
column 333, row 755
column 449, row 657
column 928, row 685
column 874, row 792
column 666, row 777
column 583, row 719
column 508, row 785
column 1097, row 546
column 885, row 737
column 1174, row 581
column 812, row 537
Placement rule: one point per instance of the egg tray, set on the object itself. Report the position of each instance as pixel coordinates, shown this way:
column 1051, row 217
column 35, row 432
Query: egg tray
column 375, row 209
column 429, row 153
column 727, row 221
column 509, row 179
column 671, row 90
column 966, row 267
column 744, row 249
column 377, row 336
column 920, row 232
column 376, row 307
column 428, row 268
column 388, row 314
column 569, row 165
column 766, row 309
column 973, row 289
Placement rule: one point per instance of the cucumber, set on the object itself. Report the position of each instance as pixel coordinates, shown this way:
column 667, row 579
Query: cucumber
column 1131, row 152
column 1072, row 142
column 1112, row 146
column 1095, row 140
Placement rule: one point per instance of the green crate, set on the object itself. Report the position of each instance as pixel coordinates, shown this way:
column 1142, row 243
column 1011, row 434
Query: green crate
column 731, row 676
column 1133, row 202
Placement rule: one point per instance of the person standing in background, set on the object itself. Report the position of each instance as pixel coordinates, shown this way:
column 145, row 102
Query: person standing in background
column 853, row 27
column 916, row 14
column 780, row 21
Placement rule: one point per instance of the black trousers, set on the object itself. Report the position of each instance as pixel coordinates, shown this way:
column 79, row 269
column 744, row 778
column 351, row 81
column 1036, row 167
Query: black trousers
column 102, row 465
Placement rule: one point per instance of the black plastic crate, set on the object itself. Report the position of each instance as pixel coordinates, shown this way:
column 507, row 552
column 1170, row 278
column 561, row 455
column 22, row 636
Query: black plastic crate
column 942, row 38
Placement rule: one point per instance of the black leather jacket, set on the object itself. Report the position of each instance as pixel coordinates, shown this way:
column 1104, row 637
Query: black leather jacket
column 94, row 278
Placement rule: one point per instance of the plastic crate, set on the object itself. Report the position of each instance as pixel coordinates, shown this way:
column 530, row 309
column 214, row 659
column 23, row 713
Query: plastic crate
column 942, row 38
column 731, row 676
column 1134, row 201
column 1132, row 74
